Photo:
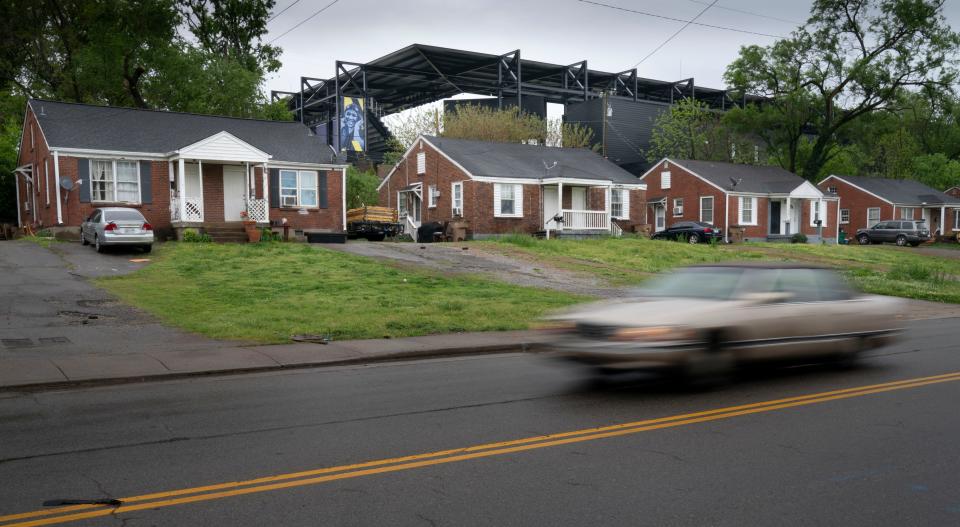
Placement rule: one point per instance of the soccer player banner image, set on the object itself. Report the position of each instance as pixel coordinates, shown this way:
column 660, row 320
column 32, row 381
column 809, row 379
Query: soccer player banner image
column 351, row 125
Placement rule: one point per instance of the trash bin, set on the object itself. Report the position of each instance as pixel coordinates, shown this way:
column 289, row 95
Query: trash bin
column 842, row 237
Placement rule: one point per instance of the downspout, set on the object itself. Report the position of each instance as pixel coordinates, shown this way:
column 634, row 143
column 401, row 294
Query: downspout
column 56, row 185
column 343, row 209
column 726, row 217
column 838, row 222
column 16, row 182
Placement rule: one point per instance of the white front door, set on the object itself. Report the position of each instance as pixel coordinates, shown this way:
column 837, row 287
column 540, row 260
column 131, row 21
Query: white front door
column 234, row 193
column 660, row 213
column 551, row 207
column 578, row 198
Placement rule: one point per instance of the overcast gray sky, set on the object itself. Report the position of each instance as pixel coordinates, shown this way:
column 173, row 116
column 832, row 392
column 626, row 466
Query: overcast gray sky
column 558, row 31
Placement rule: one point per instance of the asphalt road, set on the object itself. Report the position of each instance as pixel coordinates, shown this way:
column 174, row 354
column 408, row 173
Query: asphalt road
column 881, row 456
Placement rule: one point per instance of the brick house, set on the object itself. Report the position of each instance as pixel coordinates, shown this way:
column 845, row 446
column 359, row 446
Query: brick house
column 761, row 202
column 866, row 200
column 179, row 169
column 502, row 188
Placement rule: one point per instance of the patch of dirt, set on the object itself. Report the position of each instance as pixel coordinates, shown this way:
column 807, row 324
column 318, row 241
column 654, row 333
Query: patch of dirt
column 469, row 259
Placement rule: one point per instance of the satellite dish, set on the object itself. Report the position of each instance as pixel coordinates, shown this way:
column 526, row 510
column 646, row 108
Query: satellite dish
column 66, row 183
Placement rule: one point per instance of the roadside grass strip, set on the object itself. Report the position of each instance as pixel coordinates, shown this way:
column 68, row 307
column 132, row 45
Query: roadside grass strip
column 217, row 491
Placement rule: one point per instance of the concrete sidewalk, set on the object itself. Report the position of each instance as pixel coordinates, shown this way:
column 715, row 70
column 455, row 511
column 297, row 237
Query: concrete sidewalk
column 96, row 368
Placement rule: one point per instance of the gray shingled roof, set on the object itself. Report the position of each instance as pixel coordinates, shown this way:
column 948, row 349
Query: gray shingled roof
column 514, row 160
column 901, row 191
column 71, row 125
column 752, row 178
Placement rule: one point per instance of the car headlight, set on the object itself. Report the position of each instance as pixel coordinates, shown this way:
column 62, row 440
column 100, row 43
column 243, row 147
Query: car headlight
column 653, row 333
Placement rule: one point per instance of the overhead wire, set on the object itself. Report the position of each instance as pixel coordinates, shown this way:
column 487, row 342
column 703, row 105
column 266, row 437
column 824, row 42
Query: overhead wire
column 671, row 37
column 750, row 13
column 674, row 19
column 295, row 2
column 302, row 22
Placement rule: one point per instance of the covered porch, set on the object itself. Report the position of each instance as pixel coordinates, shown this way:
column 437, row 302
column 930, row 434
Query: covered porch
column 785, row 211
column 582, row 207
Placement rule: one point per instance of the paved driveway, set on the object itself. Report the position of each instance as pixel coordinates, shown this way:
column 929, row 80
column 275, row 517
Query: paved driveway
column 49, row 309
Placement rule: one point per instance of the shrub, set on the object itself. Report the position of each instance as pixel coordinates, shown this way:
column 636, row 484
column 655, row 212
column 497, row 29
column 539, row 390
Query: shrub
column 267, row 235
column 44, row 233
column 798, row 238
column 192, row 236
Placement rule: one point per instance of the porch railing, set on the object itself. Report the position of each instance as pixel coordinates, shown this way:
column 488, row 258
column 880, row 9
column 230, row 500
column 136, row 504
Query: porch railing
column 615, row 230
column 410, row 227
column 257, row 210
column 586, row 219
column 193, row 206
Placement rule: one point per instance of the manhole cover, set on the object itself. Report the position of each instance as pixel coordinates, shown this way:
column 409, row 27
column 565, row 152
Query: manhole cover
column 16, row 343
column 54, row 340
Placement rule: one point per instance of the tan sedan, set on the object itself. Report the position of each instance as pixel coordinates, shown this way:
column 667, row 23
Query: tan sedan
column 704, row 320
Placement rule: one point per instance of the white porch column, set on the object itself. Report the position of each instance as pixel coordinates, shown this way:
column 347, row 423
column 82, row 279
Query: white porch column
column 608, row 195
column 559, row 204
column 343, row 180
column 265, row 179
column 182, row 189
column 894, row 212
column 838, row 222
column 726, row 217
column 16, row 182
column 247, row 183
column 203, row 211
column 56, row 185
column 789, row 222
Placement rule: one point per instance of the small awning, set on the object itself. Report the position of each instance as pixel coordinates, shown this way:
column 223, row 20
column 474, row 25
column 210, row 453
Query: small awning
column 26, row 171
column 658, row 199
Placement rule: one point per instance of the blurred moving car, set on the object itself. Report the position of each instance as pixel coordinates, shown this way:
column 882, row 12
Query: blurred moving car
column 900, row 232
column 116, row 226
column 690, row 231
column 705, row 320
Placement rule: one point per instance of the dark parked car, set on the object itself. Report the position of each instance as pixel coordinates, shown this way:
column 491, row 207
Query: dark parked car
column 690, row 231
column 900, row 232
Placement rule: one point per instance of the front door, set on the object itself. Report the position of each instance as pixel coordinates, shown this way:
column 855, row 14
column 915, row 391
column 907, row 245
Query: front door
column 660, row 213
column 551, row 207
column 234, row 193
column 774, row 217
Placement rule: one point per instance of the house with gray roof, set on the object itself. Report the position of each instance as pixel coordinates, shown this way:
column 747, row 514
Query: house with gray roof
column 179, row 169
column 864, row 201
column 747, row 202
column 503, row 188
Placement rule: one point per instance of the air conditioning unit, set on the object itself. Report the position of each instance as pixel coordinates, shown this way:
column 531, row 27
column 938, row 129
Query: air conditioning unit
column 678, row 211
column 289, row 201
column 458, row 212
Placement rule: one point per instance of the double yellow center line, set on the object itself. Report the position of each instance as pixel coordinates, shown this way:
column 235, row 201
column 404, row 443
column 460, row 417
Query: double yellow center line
column 322, row 475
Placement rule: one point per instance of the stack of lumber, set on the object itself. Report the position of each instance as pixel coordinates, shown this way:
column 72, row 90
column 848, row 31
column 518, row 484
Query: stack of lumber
column 381, row 214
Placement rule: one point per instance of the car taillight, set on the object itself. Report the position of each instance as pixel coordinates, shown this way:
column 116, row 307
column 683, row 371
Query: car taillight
column 110, row 227
column 147, row 227
column 708, row 230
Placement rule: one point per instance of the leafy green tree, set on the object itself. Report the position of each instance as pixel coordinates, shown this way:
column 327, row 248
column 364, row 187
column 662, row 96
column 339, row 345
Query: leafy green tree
column 936, row 171
column 691, row 130
column 851, row 59
column 233, row 29
column 361, row 188
column 508, row 125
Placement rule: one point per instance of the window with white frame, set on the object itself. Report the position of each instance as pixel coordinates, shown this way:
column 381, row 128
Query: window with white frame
column 620, row 203
column 873, row 216
column 456, row 198
column 421, row 163
column 432, row 196
column 678, row 206
column 747, row 210
column 664, row 180
column 298, row 188
column 818, row 211
column 956, row 219
column 906, row 213
column 844, row 216
column 114, row 181
column 507, row 200
column 832, row 190
column 706, row 209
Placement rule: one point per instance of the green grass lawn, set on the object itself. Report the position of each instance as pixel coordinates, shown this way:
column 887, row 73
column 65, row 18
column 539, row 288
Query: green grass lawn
column 269, row 292
column 630, row 260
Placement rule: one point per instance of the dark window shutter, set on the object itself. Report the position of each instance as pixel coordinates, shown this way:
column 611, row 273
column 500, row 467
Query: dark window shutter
column 83, row 174
column 146, row 182
column 322, row 184
column 274, row 188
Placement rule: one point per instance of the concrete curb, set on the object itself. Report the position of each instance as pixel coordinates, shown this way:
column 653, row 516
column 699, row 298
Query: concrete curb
column 398, row 356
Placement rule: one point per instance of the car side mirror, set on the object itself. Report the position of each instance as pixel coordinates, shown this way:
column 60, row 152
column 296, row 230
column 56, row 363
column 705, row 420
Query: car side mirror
column 766, row 297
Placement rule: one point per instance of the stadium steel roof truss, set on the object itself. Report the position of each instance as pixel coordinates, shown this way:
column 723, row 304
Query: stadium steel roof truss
column 419, row 74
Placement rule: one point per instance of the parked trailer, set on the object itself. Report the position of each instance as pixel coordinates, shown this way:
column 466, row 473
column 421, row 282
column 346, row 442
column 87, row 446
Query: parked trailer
column 373, row 223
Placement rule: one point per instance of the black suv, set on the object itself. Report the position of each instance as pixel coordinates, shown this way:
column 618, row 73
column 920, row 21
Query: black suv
column 900, row 232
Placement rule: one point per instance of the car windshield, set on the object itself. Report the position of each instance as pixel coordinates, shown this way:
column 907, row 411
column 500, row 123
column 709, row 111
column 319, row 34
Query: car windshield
column 122, row 215
column 709, row 283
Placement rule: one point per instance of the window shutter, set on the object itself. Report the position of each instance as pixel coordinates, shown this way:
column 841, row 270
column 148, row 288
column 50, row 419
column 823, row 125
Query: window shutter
column 322, row 190
column 274, row 188
column 421, row 163
column 625, row 204
column 496, row 199
column 146, row 182
column 83, row 173
column 664, row 180
column 518, row 201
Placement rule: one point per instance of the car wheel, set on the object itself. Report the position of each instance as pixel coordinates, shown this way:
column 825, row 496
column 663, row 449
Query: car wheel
column 96, row 244
column 711, row 366
column 863, row 239
column 694, row 238
column 914, row 244
column 83, row 239
column 901, row 241
column 147, row 248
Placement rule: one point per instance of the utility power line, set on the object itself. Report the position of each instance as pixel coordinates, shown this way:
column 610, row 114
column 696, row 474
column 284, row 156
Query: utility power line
column 741, row 11
column 671, row 37
column 304, row 21
column 295, row 2
column 644, row 13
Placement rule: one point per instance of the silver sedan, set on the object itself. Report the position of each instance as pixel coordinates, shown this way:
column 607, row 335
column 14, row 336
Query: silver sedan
column 116, row 226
